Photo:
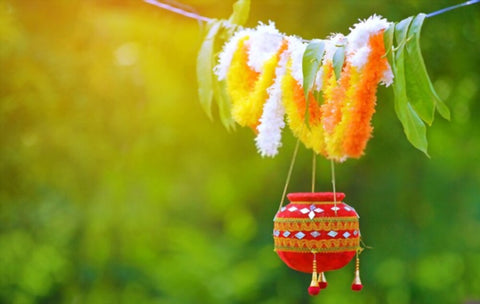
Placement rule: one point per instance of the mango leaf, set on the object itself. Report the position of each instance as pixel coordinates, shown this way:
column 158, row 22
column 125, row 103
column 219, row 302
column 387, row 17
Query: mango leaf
column 224, row 104
column 417, row 80
column 413, row 126
column 318, row 97
column 312, row 60
column 338, row 60
column 420, row 89
column 443, row 109
column 416, row 130
column 401, row 30
column 205, row 63
column 241, row 10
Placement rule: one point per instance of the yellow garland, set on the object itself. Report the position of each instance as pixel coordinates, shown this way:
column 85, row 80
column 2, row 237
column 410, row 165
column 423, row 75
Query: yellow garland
column 249, row 100
column 349, row 81
column 241, row 80
column 331, row 108
column 294, row 103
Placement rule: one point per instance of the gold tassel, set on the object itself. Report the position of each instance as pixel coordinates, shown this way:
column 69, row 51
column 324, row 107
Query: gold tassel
column 357, row 283
column 314, row 288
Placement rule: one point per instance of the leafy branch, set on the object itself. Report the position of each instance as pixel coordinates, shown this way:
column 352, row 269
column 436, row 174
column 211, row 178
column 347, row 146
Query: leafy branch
column 210, row 89
column 415, row 97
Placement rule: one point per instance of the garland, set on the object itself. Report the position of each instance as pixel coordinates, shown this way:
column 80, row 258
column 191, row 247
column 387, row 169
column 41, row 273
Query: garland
column 325, row 89
column 339, row 77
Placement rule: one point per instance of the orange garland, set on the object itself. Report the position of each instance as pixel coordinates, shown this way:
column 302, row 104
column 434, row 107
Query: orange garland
column 358, row 132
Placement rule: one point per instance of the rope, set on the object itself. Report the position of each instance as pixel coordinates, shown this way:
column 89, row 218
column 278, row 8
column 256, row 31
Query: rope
column 332, row 167
column 292, row 162
column 177, row 10
column 192, row 15
column 314, row 167
column 443, row 10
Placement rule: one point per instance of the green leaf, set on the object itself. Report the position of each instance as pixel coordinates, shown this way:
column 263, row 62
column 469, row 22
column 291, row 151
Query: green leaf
column 338, row 60
column 241, row 10
column 205, row 63
column 413, row 126
column 401, row 30
column 443, row 109
column 224, row 104
column 312, row 60
column 417, row 81
column 415, row 129
column 420, row 89
column 318, row 97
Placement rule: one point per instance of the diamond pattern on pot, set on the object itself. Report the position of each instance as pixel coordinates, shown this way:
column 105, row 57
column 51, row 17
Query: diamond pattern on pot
column 286, row 233
column 304, row 210
column 346, row 234
column 300, row 235
column 332, row 233
column 291, row 209
column 335, row 208
column 313, row 210
column 276, row 233
column 315, row 234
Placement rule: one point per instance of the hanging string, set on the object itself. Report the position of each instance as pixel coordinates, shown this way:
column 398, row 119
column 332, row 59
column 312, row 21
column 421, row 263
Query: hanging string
column 292, row 162
column 192, row 15
column 332, row 167
column 314, row 167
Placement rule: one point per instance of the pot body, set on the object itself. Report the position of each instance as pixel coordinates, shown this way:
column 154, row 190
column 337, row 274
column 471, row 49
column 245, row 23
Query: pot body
column 316, row 224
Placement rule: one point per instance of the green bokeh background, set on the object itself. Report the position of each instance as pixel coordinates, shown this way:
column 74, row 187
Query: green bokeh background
column 116, row 188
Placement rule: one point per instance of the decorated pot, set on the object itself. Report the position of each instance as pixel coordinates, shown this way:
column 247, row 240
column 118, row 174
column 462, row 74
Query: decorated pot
column 316, row 226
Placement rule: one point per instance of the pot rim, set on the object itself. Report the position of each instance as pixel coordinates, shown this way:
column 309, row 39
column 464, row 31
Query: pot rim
column 315, row 196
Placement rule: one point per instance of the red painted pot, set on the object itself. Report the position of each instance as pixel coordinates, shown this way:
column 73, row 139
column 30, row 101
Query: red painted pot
column 316, row 224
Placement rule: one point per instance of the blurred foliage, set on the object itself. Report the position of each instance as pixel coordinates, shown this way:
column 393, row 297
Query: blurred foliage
column 116, row 188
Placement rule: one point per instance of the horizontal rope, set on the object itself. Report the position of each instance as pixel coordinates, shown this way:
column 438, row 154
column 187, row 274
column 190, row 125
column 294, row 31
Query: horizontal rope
column 196, row 16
